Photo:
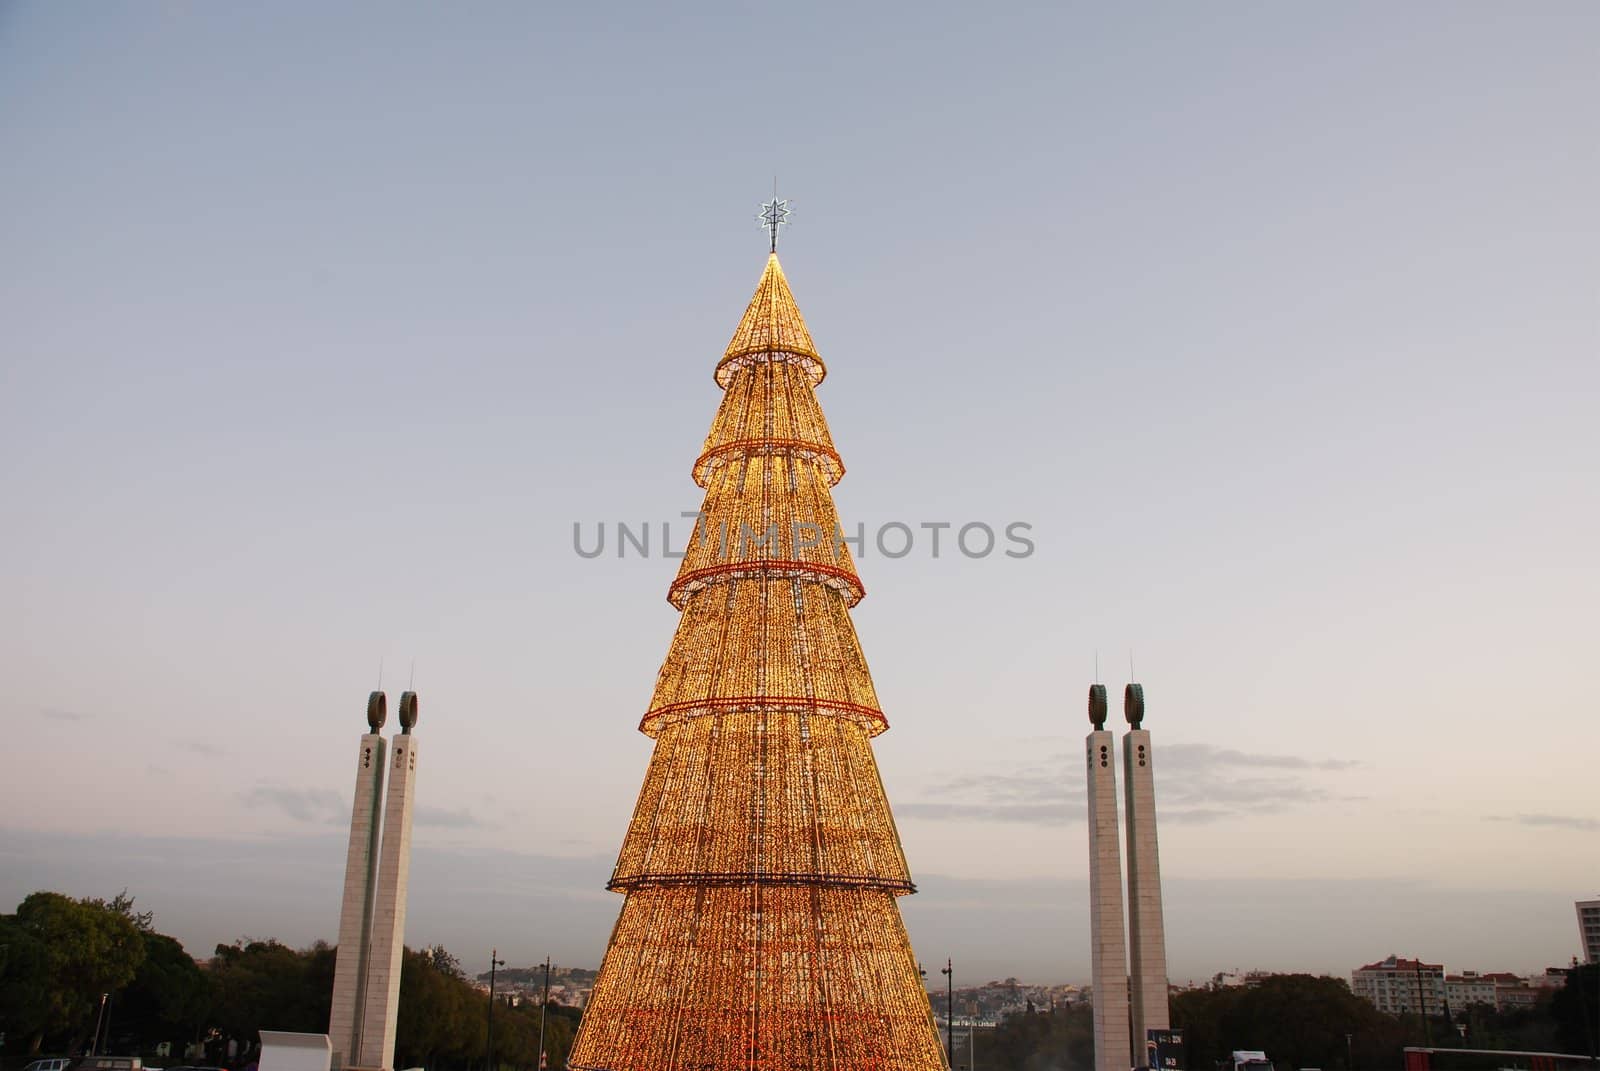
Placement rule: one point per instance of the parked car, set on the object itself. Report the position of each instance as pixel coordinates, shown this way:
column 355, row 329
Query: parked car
column 49, row 1063
column 107, row 1063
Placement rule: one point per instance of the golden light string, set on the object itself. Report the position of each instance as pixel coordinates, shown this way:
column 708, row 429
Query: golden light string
column 759, row 929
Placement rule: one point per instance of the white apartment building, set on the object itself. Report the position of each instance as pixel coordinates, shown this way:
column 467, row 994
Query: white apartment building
column 1589, row 929
column 1468, row 988
column 1552, row 978
column 1399, row 986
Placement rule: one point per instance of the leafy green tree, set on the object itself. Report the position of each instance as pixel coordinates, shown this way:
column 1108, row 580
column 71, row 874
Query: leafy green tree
column 560, row 1026
column 89, row 950
column 1575, row 1010
column 444, row 962
column 1058, row 1040
column 1298, row 1020
column 24, row 982
column 122, row 904
column 440, row 1021
column 1199, row 1013
column 443, row 1020
column 169, row 998
column 264, row 984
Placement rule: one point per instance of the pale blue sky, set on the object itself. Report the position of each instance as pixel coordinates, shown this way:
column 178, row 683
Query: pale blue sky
column 1277, row 323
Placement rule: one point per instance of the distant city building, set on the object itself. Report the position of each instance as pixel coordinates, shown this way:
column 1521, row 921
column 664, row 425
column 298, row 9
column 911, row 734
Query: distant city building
column 1468, row 988
column 1503, row 978
column 1405, row 986
column 1510, row 997
column 1552, row 978
column 991, row 1002
column 1400, row 986
column 1589, row 929
column 1514, row 991
column 1234, row 979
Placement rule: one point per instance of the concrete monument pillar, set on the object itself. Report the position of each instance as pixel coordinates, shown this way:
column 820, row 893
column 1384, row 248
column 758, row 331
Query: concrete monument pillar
column 1107, row 950
column 389, row 901
column 1147, row 943
column 360, row 883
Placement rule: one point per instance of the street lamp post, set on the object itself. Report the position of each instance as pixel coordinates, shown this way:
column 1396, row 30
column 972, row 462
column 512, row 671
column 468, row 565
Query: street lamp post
column 544, row 1007
column 495, row 962
column 948, row 970
column 94, row 1046
column 1349, row 1061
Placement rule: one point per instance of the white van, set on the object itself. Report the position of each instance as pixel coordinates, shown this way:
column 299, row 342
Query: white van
column 56, row 1063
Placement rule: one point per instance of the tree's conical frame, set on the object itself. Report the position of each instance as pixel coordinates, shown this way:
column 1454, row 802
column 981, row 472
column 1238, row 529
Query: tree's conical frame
column 759, row 929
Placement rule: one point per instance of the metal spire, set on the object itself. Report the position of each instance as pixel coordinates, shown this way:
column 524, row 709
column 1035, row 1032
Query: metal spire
column 774, row 214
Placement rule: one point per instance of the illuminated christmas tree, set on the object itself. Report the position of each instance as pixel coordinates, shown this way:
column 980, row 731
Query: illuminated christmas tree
column 759, row 928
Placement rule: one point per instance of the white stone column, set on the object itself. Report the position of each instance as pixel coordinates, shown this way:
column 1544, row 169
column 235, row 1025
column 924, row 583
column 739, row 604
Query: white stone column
column 389, row 909
column 355, row 913
column 1147, row 942
column 1107, row 950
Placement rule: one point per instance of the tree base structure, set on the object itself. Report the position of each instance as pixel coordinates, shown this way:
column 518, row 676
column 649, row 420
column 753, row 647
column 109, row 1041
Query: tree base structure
column 759, row 977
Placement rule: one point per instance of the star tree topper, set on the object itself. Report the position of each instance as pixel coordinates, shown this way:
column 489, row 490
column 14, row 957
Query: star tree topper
column 774, row 214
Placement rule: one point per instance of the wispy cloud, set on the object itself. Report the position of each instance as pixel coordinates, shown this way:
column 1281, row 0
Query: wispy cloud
column 1206, row 757
column 301, row 804
column 1195, row 816
column 324, row 806
column 1550, row 821
column 438, row 816
column 1197, row 784
column 57, row 714
column 1031, row 814
column 1244, row 791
